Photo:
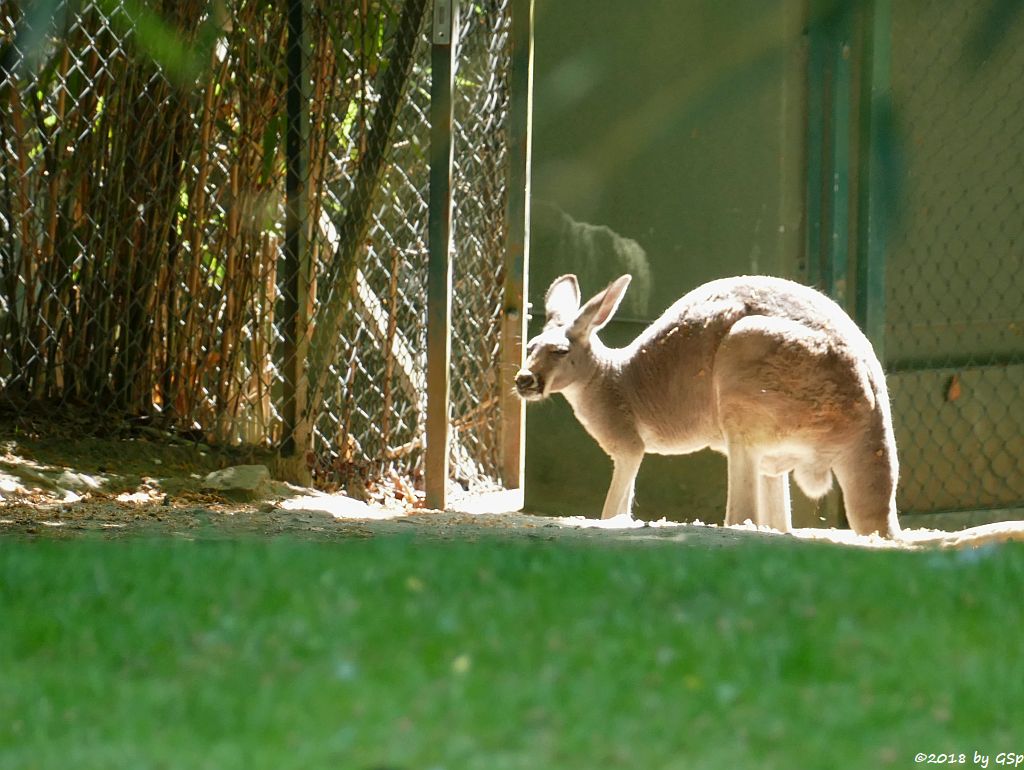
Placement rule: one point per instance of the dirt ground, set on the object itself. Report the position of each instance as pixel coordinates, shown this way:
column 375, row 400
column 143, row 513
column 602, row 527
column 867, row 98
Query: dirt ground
column 63, row 484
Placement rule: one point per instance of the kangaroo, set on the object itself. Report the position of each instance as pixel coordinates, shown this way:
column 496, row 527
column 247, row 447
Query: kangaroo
column 771, row 373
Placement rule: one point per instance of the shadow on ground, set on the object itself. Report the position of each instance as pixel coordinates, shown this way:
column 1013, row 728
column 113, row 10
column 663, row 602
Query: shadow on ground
column 61, row 488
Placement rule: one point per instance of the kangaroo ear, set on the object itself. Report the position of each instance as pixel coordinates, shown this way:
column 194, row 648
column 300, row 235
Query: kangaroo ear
column 600, row 308
column 562, row 301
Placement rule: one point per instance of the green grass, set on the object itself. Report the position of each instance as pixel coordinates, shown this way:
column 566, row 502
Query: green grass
column 417, row 654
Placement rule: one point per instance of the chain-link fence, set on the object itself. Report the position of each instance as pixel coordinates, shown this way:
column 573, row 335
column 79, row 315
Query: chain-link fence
column 480, row 232
column 144, row 275
column 954, row 335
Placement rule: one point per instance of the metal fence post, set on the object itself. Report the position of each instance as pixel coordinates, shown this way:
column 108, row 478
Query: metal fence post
column 296, row 266
column 876, row 119
column 439, row 239
column 842, row 75
column 517, row 243
column 815, row 149
column 829, row 149
column 829, row 173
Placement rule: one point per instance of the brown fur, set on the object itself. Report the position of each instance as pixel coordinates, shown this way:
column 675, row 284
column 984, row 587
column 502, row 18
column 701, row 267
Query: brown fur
column 769, row 372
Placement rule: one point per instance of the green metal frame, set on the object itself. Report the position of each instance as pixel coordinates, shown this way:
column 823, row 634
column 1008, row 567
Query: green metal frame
column 815, row 148
column 848, row 107
column 847, row 99
column 874, row 202
column 830, row 76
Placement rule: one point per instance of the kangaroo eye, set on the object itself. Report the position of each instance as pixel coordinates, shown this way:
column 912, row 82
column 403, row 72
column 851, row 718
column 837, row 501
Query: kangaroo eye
column 560, row 351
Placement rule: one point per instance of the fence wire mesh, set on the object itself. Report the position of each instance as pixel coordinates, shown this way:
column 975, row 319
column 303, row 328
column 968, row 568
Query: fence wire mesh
column 367, row 363
column 955, row 287
column 142, row 206
column 479, row 203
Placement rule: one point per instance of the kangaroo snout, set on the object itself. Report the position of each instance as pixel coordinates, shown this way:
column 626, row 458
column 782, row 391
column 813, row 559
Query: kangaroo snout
column 528, row 384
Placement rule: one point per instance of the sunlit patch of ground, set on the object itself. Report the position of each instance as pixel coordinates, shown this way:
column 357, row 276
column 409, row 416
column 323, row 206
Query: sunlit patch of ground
column 117, row 488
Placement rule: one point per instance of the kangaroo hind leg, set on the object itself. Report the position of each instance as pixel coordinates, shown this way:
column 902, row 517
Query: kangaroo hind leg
column 773, row 502
column 742, row 501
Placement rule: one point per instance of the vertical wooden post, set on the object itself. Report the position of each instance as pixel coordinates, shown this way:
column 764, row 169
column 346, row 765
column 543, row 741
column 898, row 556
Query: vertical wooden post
column 874, row 200
column 439, row 277
column 295, row 267
column 517, row 244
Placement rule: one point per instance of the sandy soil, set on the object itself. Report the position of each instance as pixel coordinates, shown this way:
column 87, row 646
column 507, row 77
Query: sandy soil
column 64, row 486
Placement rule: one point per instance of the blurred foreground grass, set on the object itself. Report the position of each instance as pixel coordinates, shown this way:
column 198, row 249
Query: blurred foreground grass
column 402, row 654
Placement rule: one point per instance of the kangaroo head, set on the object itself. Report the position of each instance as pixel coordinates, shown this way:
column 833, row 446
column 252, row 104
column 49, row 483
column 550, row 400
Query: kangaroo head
column 562, row 354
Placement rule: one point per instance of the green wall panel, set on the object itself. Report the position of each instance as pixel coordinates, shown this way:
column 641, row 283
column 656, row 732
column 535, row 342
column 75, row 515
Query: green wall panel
column 667, row 143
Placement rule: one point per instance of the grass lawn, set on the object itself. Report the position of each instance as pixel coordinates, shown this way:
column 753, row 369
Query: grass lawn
column 394, row 653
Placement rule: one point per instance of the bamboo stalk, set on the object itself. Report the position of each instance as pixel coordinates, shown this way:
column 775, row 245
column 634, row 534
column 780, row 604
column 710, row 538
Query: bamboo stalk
column 341, row 270
column 389, row 351
column 124, row 306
